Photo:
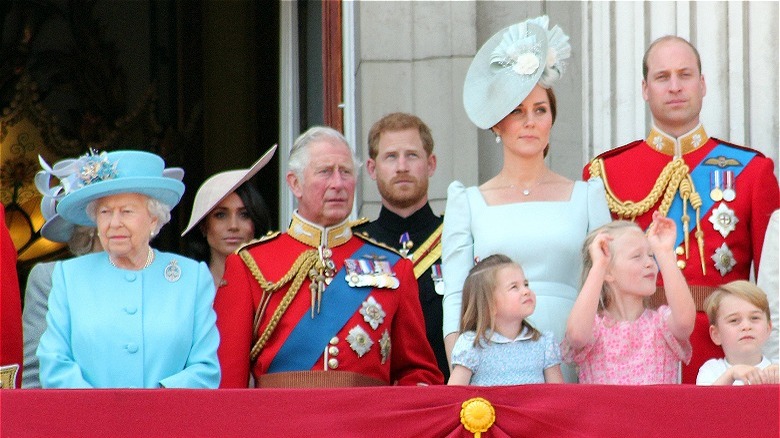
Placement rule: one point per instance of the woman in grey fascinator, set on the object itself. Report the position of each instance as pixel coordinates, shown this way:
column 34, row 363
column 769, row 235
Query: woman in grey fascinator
column 527, row 211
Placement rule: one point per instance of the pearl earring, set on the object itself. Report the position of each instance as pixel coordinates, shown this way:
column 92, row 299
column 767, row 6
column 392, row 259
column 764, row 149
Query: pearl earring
column 498, row 139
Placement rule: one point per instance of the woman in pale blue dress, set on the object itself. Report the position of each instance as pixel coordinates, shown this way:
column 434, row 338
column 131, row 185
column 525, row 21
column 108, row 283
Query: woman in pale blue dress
column 527, row 211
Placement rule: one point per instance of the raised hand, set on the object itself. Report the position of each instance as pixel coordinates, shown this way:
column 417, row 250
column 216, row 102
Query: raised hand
column 662, row 233
column 599, row 249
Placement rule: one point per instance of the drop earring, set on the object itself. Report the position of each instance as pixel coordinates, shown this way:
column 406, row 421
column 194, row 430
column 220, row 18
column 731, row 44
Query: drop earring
column 498, row 139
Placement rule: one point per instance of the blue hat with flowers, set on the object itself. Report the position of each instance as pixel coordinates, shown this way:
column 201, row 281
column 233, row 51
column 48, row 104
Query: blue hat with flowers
column 94, row 176
column 509, row 65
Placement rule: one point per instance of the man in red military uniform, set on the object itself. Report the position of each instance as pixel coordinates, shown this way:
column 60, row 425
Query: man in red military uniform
column 11, row 345
column 720, row 194
column 317, row 305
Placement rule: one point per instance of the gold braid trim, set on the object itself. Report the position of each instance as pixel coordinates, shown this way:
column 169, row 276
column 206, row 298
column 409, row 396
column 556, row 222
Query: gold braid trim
column 297, row 274
column 674, row 176
column 666, row 184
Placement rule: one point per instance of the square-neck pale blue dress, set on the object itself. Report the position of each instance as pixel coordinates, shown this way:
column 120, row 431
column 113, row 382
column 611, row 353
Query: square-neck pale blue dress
column 545, row 238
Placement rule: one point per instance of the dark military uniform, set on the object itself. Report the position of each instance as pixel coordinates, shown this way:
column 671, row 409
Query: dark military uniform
column 424, row 230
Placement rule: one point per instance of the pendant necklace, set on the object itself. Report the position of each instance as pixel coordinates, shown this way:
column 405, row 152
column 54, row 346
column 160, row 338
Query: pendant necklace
column 527, row 191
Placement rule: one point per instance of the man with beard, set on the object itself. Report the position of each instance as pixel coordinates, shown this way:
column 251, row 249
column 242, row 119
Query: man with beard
column 317, row 305
column 400, row 147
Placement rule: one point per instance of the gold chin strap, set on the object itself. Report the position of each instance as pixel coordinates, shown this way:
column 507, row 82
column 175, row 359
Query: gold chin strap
column 674, row 177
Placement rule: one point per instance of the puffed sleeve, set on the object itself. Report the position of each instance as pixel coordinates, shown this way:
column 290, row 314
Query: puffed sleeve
column 767, row 280
column 598, row 211
column 36, row 296
column 681, row 348
column 202, row 367
column 457, row 253
column 464, row 353
column 235, row 313
column 58, row 368
column 552, row 351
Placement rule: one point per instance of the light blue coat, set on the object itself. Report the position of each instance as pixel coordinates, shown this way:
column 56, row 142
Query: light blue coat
column 113, row 328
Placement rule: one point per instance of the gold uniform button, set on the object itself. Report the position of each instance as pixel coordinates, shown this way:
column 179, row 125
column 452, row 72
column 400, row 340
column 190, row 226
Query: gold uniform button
column 333, row 351
column 334, row 340
column 681, row 264
column 679, row 250
column 333, row 363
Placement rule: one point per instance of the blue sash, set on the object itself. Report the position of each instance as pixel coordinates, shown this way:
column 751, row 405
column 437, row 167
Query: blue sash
column 310, row 337
column 701, row 180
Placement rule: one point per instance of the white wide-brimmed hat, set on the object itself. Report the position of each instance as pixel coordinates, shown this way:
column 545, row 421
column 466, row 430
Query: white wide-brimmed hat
column 220, row 185
column 509, row 65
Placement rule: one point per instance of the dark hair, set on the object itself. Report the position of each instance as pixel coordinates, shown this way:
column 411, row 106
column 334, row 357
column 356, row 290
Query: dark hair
column 398, row 122
column 553, row 111
column 668, row 38
column 197, row 245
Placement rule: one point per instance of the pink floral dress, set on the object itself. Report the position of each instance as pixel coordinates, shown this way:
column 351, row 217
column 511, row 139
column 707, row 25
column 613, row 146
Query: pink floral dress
column 641, row 352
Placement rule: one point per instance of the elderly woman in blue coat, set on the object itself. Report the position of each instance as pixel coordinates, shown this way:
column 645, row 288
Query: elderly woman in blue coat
column 131, row 316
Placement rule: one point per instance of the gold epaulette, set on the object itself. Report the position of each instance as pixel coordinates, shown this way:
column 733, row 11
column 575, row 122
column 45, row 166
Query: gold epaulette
column 359, row 222
column 363, row 235
column 268, row 236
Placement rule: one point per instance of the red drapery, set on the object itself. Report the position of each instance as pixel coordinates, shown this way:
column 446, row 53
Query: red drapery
column 520, row 411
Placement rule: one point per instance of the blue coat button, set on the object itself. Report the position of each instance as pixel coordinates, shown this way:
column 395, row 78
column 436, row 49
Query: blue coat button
column 131, row 348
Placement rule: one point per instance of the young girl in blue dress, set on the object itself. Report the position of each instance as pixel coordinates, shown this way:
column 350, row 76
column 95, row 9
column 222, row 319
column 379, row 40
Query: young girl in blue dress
column 496, row 345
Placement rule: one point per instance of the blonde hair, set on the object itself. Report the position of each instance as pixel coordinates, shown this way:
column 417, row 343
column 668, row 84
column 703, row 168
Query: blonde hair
column 478, row 298
column 612, row 229
column 742, row 289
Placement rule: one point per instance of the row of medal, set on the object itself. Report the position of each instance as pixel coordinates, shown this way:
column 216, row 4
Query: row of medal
column 722, row 186
column 370, row 271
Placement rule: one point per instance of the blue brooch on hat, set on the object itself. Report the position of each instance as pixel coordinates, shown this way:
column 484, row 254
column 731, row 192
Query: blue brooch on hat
column 509, row 65
column 96, row 175
column 96, row 167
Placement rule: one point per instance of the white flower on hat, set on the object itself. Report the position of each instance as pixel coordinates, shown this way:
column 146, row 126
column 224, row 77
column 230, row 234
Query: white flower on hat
column 558, row 50
column 526, row 64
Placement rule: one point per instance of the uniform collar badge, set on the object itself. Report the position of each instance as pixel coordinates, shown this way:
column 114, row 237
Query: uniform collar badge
column 315, row 235
column 666, row 144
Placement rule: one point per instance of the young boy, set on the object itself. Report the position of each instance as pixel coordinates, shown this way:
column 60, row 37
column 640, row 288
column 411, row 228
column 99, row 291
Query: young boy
column 740, row 323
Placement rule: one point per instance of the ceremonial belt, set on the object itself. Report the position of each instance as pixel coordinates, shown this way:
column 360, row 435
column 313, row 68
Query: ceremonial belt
column 699, row 293
column 427, row 254
column 701, row 179
column 317, row 379
column 310, row 336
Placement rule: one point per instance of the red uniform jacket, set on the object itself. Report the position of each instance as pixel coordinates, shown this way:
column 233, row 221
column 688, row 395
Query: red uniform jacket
column 410, row 360
column 11, row 345
column 632, row 170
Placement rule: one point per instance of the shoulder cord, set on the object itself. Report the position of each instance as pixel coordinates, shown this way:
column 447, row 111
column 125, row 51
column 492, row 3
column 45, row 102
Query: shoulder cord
column 674, row 176
column 300, row 269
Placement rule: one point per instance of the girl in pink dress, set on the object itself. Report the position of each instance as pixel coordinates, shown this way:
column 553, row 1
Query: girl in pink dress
column 611, row 334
